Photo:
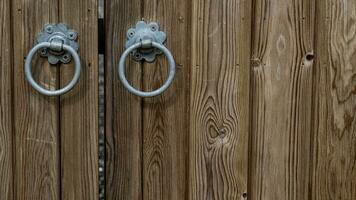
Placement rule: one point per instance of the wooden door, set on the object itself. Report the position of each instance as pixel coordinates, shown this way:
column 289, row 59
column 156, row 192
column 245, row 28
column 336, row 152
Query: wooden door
column 262, row 107
column 192, row 141
column 48, row 145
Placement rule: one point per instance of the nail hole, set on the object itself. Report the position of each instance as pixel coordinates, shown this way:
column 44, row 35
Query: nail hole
column 244, row 195
column 310, row 57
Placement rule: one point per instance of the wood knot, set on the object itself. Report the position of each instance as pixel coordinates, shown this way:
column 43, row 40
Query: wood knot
column 222, row 132
column 256, row 62
column 181, row 19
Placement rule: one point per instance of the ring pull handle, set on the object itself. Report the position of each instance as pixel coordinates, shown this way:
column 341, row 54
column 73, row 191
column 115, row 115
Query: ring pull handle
column 145, row 42
column 57, row 43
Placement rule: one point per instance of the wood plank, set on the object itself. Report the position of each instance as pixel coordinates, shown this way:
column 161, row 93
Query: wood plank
column 219, row 100
column 165, row 117
column 79, row 108
column 123, row 110
column 282, row 58
column 36, row 149
column 334, row 158
column 6, row 158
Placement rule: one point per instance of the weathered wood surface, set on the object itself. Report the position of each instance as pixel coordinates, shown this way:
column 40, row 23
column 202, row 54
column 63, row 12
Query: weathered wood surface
column 165, row 117
column 36, row 130
column 55, row 145
column 334, row 119
column 6, row 108
column 79, row 108
column 290, row 97
column 282, row 61
column 219, row 99
column 178, row 156
column 123, row 110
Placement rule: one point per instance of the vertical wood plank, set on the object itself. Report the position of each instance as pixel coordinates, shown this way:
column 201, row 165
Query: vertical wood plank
column 334, row 158
column 35, row 116
column 6, row 134
column 219, row 100
column 123, row 110
column 79, row 108
column 282, row 61
column 165, row 118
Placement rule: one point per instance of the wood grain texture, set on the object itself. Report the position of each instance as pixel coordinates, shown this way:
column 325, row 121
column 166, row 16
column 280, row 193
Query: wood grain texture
column 79, row 108
column 123, row 110
column 165, row 117
column 36, row 130
column 6, row 158
column 334, row 157
column 282, row 61
column 219, row 99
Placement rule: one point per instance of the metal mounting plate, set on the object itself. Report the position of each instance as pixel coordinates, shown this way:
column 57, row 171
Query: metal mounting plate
column 145, row 31
column 57, row 32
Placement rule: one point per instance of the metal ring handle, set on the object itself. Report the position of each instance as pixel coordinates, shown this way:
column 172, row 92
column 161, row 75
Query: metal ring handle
column 35, row 85
column 172, row 70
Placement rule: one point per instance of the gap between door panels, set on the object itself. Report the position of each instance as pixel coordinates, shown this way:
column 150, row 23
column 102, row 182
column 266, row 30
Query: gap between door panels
column 101, row 57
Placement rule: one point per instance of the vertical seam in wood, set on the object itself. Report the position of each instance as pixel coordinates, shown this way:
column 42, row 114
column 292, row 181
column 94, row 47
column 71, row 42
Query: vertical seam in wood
column 142, row 11
column 188, row 96
column 313, row 101
column 59, row 146
column 187, row 99
column 141, row 143
column 104, row 102
column 13, row 138
column 141, row 137
column 251, row 96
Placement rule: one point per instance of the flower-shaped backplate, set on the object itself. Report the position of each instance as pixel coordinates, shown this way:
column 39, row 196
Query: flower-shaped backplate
column 143, row 31
column 57, row 32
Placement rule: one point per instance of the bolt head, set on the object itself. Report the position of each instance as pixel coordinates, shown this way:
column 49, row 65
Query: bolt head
column 138, row 56
column 131, row 33
column 66, row 58
column 49, row 29
column 43, row 52
column 72, row 35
